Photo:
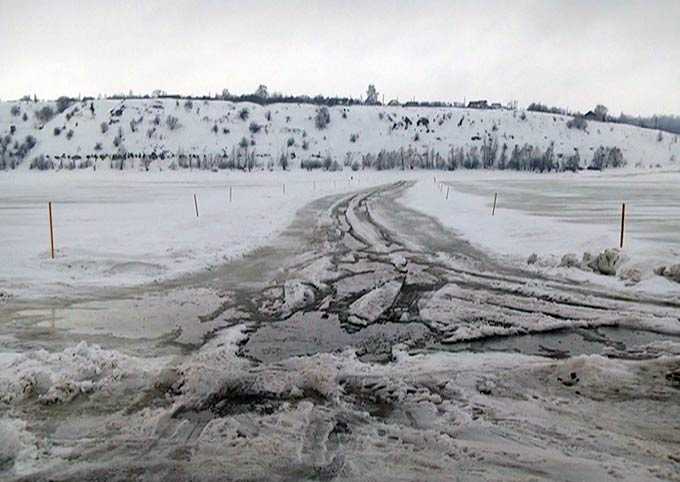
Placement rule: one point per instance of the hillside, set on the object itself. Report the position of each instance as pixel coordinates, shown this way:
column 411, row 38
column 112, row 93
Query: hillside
column 216, row 128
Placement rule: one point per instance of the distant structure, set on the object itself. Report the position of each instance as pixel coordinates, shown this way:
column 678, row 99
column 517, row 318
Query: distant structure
column 496, row 105
column 478, row 104
column 590, row 115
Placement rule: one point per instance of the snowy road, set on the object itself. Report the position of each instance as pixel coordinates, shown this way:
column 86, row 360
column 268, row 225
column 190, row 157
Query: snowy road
column 366, row 343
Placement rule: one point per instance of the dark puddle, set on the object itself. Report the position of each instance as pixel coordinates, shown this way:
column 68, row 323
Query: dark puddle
column 609, row 341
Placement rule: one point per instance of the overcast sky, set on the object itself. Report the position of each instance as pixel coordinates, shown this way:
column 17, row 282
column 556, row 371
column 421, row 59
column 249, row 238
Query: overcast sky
column 621, row 53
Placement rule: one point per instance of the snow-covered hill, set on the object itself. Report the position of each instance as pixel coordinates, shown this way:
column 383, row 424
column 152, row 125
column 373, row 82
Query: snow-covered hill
column 216, row 128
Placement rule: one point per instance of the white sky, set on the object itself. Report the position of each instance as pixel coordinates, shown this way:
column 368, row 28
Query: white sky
column 625, row 54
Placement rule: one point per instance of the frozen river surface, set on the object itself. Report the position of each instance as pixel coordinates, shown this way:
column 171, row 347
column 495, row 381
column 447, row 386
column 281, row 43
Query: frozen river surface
column 365, row 342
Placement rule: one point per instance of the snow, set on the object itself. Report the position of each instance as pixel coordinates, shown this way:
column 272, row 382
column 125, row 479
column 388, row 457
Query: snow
column 533, row 215
column 114, row 228
column 375, row 126
column 63, row 376
column 17, row 445
column 478, row 415
column 444, row 413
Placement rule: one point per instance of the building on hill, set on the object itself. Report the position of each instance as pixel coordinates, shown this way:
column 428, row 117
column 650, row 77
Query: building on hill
column 478, row 104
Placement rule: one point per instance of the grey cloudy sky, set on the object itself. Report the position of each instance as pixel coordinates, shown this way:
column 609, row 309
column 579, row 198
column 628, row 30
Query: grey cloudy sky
column 625, row 54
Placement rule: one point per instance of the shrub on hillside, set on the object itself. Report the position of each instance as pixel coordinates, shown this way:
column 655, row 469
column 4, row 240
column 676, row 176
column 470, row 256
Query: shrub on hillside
column 69, row 134
column 577, row 122
column 104, row 127
column 254, row 127
column 44, row 114
column 15, row 110
column 41, row 163
column 243, row 114
column 322, row 118
column 172, row 122
column 310, row 164
column 57, row 131
column 64, row 103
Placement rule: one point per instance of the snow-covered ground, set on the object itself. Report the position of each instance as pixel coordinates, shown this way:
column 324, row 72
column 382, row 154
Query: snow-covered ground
column 314, row 407
column 554, row 215
column 114, row 228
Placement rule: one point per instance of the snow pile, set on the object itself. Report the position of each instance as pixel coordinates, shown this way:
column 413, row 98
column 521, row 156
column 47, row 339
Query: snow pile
column 216, row 373
column 81, row 369
column 208, row 370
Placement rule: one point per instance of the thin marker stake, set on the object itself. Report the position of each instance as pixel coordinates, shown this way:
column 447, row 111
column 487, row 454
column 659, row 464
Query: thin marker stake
column 623, row 222
column 447, row 193
column 196, row 204
column 229, row 193
column 51, row 230
column 493, row 210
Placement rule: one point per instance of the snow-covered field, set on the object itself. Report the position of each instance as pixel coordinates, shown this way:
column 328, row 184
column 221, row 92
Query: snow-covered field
column 114, row 229
column 554, row 215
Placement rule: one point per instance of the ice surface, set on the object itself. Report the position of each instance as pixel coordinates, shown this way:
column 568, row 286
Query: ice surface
column 121, row 229
column 558, row 214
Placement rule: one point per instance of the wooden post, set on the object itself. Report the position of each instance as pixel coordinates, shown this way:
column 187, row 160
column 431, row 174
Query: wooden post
column 196, row 204
column 447, row 193
column 49, row 205
column 284, row 189
column 229, row 193
column 493, row 210
column 623, row 221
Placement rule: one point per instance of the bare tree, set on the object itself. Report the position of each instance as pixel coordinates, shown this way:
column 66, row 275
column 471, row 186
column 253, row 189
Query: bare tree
column 371, row 95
